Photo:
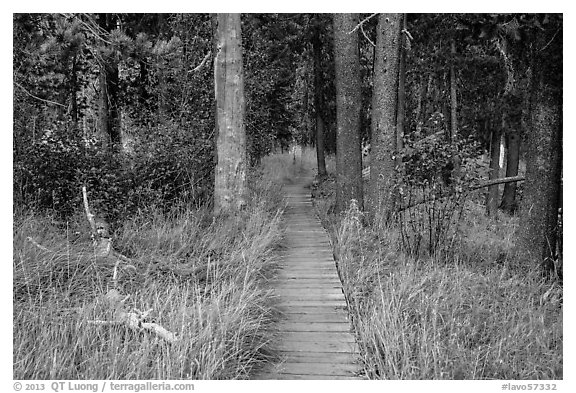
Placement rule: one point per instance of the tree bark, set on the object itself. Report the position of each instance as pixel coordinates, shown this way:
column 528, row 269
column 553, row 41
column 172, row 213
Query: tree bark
column 537, row 240
column 400, row 119
column 230, row 174
column 348, row 100
column 384, row 107
column 318, row 100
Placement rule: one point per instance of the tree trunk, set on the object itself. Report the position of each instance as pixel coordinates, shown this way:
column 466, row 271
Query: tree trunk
column 109, row 110
column 230, row 174
column 74, row 91
column 143, row 95
column 494, row 171
column 509, row 204
column 514, row 105
column 161, row 73
column 384, row 105
column 420, row 102
column 537, row 238
column 453, row 98
column 318, row 100
column 348, row 100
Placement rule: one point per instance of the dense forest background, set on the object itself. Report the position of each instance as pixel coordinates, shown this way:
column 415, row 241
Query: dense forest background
column 124, row 103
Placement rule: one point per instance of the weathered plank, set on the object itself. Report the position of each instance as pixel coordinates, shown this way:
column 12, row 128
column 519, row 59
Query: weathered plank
column 340, row 369
column 308, row 274
column 318, row 337
column 323, row 299
column 317, row 317
column 311, row 303
column 317, row 346
column 319, row 357
column 307, row 265
column 336, row 293
column 279, row 376
column 299, row 326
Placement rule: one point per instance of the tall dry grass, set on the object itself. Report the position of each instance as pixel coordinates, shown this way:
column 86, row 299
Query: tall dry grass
column 204, row 277
column 472, row 313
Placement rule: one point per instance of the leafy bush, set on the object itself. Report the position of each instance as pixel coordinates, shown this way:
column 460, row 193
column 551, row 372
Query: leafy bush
column 167, row 165
column 432, row 183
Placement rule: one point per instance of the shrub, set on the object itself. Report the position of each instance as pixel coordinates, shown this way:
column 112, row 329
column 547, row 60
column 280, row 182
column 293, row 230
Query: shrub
column 166, row 166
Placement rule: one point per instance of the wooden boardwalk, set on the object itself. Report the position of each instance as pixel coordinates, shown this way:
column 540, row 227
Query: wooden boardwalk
column 314, row 337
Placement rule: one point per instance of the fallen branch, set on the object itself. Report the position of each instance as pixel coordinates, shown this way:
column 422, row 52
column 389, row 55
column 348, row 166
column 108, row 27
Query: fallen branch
column 134, row 320
column 468, row 189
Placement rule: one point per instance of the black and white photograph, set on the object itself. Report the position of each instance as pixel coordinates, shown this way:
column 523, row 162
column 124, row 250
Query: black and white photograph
column 286, row 196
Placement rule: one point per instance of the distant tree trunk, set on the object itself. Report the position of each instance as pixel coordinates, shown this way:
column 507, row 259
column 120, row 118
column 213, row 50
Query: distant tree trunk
column 318, row 100
column 421, row 96
column 384, row 106
column 109, row 88
column 538, row 233
column 428, row 103
column 514, row 105
column 230, row 174
column 348, row 99
column 453, row 97
column 509, row 204
column 143, row 82
column 161, row 73
column 494, row 171
column 74, row 91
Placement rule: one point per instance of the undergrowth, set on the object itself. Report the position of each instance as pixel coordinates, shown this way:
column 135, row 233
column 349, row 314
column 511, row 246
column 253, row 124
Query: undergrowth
column 471, row 313
column 203, row 277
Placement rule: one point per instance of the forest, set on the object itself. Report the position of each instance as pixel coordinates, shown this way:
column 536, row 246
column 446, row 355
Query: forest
column 151, row 156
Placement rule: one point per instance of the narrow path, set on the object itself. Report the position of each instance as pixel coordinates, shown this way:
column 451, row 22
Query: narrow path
column 314, row 337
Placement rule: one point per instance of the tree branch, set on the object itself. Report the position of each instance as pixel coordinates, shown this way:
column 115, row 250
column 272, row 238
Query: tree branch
column 468, row 189
column 202, row 63
column 38, row 98
column 503, row 180
column 362, row 22
column 366, row 36
column 89, row 215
